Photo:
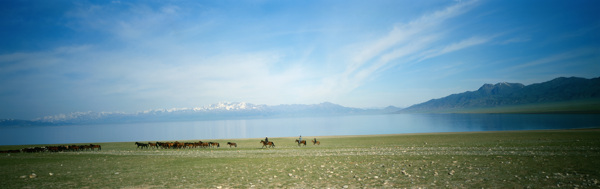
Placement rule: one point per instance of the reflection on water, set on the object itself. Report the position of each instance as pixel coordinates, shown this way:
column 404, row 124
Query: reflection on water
column 285, row 127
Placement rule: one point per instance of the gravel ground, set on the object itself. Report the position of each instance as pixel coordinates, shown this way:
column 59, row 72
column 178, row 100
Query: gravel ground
column 529, row 159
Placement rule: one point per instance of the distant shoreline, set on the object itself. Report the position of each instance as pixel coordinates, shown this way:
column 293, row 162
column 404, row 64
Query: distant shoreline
column 568, row 107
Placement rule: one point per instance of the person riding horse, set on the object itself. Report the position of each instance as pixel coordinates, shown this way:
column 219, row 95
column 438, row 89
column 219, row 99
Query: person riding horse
column 266, row 139
column 300, row 140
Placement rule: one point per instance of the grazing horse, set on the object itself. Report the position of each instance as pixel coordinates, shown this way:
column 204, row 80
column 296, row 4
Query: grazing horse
column 10, row 151
column 84, row 147
column 267, row 144
column 316, row 142
column 164, row 145
column 189, row 145
column 301, row 142
column 53, row 148
column 203, row 144
column 92, row 146
column 74, row 148
column 140, row 145
column 160, row 144
column 232, row 144
column 177, row 144
column 213, row 144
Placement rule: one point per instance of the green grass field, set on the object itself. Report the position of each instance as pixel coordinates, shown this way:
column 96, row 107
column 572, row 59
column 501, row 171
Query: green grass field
column 515, row 159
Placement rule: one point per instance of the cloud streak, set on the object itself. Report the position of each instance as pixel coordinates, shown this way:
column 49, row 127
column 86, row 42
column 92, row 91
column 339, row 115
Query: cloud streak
column 406, row 43
column 560, row 57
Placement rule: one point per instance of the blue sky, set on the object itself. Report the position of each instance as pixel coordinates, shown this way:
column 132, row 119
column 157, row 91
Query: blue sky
column 68, row 56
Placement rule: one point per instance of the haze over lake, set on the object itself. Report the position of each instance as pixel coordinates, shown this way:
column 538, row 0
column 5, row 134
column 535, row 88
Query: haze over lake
column 292, row 127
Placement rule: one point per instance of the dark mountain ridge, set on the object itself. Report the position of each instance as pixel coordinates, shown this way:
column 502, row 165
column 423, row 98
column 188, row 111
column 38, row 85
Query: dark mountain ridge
column 561, row 89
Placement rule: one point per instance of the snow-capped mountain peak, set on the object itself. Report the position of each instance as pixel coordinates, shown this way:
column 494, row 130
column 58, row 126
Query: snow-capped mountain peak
column 221, row 110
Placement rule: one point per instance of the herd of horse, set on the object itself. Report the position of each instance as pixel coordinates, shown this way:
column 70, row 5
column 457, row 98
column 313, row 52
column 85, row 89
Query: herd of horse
column 200, row 144
column 179, row 145
column 63, row 148
column 157, row 145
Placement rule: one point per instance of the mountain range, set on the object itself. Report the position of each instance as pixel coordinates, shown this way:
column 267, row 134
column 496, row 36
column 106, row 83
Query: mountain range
column 560, row 95
column 223, row 110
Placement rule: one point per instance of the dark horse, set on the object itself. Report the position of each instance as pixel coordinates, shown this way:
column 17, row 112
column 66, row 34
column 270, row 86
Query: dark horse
column 232, row 144
column 141, row 145
column 302, row 142
column 94, row 146
column 267, row 144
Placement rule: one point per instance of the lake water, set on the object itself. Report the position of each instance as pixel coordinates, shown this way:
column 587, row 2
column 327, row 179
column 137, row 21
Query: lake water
column 286, row 127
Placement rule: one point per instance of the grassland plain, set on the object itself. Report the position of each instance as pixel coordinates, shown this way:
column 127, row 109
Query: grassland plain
column 512, row 159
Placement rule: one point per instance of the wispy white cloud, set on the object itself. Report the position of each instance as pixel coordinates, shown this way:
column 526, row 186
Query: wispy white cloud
column 48, row 60
column 406, row 42
column 516, row 40
column 473, row 41
column 561, row 57
column 195, row 77
column 402, row 33
column 133, row 22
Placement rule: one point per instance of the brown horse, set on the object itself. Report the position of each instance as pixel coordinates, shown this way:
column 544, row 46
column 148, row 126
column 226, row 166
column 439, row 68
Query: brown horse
column 92, row 146
column 152, row 145
column 316, row 142
column 177, row 145
column 162, row 145
column 166, row 145
column 53, row 148
column 189, row 145
column 232, row 144
column 203, row 144
column 84, row 147
column 214, row 144
column 267, row 144
column 74, row 148
column 301, row 142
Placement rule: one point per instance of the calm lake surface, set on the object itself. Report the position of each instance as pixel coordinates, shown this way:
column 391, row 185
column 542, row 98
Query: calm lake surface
column 286, row 127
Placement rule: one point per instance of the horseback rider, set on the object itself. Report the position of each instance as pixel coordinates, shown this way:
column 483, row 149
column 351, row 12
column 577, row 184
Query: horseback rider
column 315, row 140
column 300, row 139
column 266, row 139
